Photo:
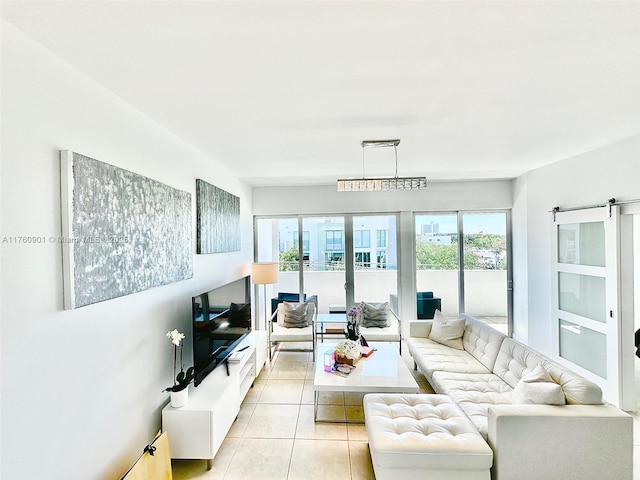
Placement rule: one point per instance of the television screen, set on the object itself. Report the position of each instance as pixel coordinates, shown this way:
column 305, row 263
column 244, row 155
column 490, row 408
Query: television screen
column 221, row 319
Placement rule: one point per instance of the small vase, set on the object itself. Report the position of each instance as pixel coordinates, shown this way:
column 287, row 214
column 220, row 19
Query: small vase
column 353, row 331
column 179, row 399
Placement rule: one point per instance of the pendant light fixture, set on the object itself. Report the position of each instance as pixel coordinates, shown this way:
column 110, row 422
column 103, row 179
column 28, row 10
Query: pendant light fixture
column 380, row 184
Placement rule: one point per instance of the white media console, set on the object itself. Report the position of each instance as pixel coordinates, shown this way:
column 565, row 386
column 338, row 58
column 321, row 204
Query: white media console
column 197, row 429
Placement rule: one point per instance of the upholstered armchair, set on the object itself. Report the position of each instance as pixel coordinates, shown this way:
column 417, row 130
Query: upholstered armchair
column 427, row 305
column 279, row 330
column 380, row 333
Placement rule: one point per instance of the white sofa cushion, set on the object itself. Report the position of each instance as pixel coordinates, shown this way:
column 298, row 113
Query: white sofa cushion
column 284, row 334
column 431, row 357
column 516, row 360
column 447, row 331
column 390, row 333
column 474, row 394
column 481, row 341
column 537, row 388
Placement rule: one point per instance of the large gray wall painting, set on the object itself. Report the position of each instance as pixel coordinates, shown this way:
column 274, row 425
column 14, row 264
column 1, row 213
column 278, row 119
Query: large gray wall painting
column 218, row 219
column 122, row 232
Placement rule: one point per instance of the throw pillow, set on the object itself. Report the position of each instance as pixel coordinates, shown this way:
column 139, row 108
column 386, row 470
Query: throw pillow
column 240, row 314
column 295, row 316
column 537, row 387
column 375, row 315
column 447, row 332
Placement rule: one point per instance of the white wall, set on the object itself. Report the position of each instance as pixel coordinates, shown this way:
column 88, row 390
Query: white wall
column 82, row 389
column 587, row 179
column 519, row 241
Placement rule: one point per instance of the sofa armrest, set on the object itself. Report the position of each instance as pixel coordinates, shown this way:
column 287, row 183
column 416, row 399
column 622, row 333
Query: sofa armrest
column 540, row 442
column 420, row 328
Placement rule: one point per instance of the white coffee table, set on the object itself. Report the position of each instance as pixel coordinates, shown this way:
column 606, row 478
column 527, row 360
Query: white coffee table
column 382, row 372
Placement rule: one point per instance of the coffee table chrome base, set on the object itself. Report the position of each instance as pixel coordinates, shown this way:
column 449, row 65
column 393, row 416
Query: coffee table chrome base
column 316, row 404
column 383, row 372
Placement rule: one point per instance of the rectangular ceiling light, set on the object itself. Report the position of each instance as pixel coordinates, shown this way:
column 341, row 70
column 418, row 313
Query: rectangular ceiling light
column 366, row 184
column 381, row 184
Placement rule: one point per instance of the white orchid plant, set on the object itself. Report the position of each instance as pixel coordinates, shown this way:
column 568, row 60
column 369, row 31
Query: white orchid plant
column 352, row 314
column 353, row 330
column 182, row 379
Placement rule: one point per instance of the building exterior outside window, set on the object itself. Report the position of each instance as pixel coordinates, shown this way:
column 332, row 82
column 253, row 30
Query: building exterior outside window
column 334, row 240
column 362, row 238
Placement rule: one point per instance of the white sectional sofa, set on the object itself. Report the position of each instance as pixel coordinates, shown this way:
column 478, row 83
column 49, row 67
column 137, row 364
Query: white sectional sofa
column 584, row 439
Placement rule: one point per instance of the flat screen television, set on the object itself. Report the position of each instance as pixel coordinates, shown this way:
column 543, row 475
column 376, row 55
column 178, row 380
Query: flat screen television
column 221, row 319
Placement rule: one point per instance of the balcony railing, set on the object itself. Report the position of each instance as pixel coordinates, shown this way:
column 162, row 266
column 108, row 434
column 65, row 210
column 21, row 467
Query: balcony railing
column 485, row 293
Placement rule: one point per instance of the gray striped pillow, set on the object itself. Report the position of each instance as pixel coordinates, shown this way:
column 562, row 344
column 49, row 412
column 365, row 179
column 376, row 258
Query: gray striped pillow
column 375, row 315
column 295, row 316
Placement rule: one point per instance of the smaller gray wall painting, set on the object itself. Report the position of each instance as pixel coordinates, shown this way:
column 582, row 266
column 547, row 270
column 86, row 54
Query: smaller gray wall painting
column 122, row 232
column 218, row 218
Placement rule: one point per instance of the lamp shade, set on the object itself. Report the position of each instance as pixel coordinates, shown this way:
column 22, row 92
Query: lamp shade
column 263, row 273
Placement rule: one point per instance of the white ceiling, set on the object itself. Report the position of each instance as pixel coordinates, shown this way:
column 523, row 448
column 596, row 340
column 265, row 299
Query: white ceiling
column 284, row 92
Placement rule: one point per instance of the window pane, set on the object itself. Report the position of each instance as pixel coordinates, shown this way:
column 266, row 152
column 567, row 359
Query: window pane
column 583, row 295
column 582, row 244
column 375, row 281
column 584, row 347
column 333, row 240
column 305, row 244
column 362, row 238
column 325, row 274
column 485, row 267
column 437, row 259
column 276, row 242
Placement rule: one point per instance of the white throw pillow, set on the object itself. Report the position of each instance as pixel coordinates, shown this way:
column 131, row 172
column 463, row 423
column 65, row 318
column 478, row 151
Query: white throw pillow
column 447, row 332
column 538, row 388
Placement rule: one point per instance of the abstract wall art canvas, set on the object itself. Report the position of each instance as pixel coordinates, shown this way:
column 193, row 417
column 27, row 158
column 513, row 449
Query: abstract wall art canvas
column 122, row 232
column 218, row 219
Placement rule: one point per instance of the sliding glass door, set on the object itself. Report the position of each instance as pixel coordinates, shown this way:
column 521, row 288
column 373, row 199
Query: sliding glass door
column 462, row 259
column 324, row 267
column 437, row 260
column 341, row 259
column 375, row 258
column 486, row 289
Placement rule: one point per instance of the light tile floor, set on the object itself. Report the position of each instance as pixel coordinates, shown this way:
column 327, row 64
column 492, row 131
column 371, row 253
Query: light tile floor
column 275, row 437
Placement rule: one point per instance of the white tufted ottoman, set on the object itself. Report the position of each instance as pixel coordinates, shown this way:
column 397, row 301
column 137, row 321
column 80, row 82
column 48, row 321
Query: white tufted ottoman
column 423, row 436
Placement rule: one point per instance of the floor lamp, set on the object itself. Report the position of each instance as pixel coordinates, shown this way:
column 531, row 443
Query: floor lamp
column 264, row 273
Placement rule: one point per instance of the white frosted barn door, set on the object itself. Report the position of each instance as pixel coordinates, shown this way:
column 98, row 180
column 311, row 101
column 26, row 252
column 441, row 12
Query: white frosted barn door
column 588, row 329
